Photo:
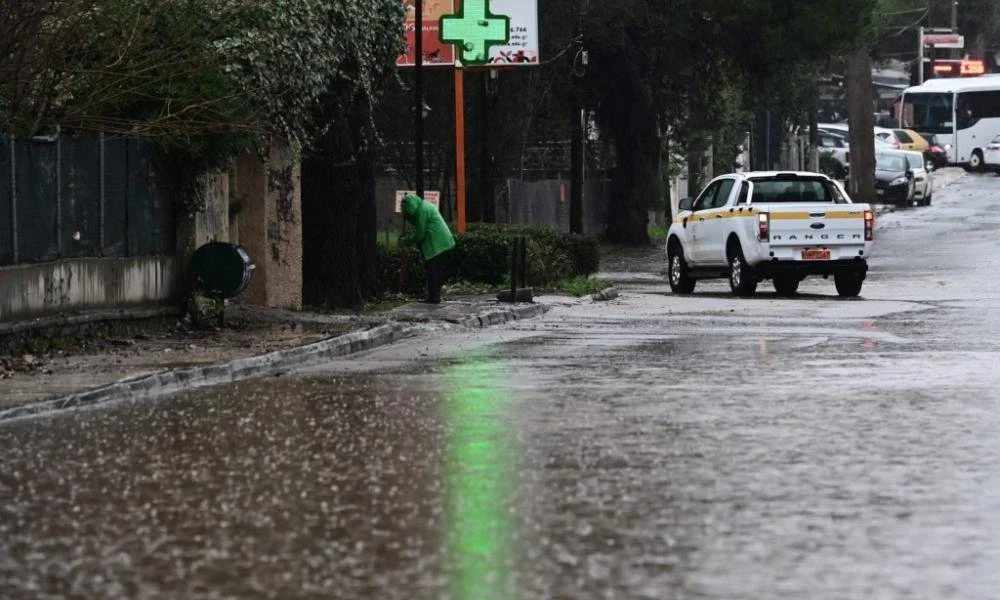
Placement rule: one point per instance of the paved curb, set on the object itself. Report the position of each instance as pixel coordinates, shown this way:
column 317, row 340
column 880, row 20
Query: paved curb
column 176, row 380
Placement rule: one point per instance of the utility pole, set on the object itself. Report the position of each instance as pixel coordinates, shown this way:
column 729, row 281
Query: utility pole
column 920, row 55
column 418, row 101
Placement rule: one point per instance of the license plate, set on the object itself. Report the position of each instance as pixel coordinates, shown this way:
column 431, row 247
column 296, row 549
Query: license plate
column 815, row 255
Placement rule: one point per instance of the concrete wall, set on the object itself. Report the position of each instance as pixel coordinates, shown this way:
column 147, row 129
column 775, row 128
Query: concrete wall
column 28, row 291
column 211, row 224
column 266, row 196
column 269, row 192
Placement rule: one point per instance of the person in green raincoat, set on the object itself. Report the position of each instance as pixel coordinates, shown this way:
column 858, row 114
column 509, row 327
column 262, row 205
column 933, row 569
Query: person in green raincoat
column 430, row 234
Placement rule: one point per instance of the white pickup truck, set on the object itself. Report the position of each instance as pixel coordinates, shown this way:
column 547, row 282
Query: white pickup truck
column 770, row 225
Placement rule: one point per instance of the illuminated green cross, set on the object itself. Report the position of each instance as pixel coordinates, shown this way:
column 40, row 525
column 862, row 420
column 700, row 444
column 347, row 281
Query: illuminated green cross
column 474, row 29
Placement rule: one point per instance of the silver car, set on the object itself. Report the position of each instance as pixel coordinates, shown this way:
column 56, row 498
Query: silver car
column 992, row 157
column 923, row 181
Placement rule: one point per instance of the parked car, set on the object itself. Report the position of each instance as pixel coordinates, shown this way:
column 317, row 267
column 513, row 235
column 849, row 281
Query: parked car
column 837, row 149
column 991, row 159
column 923, row 181
column 903, row 139
column 882, row 135
column 936, row 155
column 893, row 177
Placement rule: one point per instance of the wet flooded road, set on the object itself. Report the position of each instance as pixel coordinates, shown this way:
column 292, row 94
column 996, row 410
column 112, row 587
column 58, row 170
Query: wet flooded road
column 648, row 447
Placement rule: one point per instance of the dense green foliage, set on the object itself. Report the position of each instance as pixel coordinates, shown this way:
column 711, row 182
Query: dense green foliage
column 183, row 70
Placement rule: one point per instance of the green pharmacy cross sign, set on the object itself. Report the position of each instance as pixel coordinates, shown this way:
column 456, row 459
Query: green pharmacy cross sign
column 474, row 29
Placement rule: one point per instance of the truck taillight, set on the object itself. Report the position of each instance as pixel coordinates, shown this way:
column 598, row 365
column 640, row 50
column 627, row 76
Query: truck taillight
column 764, row 227
column 869, row 226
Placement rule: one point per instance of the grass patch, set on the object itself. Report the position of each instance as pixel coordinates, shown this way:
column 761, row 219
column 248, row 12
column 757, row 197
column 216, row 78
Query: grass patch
column 578, row 286
column 658, row 233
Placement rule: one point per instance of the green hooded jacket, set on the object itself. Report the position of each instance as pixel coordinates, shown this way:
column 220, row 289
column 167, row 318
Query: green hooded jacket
column 430, row 233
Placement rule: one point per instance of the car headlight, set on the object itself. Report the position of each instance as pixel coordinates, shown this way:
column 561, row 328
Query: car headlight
column 947, row 146
column 898, row 181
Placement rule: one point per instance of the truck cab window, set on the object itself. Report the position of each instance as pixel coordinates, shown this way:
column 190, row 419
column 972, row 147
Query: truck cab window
column 722, row 195
column 744, row 194
column 704, row 201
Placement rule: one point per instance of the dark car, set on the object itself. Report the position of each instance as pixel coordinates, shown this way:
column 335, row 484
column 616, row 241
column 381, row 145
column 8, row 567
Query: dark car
column 935, row 156
column 893, row 178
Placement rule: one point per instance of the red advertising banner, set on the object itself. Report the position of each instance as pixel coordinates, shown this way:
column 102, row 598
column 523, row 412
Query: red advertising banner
column 436, row 52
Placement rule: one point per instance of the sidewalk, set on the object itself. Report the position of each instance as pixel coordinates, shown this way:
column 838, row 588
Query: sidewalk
column 105, row 355
column 149, row 352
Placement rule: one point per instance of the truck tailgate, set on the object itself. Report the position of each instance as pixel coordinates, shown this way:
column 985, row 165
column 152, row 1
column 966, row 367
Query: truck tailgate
column 816, row 225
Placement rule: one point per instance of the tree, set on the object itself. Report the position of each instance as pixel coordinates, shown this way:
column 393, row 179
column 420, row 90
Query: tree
column 210, row 79
column 659, row 67
column 179, row 70
column 881, row 19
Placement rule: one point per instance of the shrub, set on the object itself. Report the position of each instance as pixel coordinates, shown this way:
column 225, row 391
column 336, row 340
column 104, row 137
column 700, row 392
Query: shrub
column 584, row 253
column 483, row 256
column 546, row 262
column 400, row 269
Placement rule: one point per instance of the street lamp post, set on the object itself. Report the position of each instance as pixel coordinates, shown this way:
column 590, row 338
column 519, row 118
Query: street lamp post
column 418, row 101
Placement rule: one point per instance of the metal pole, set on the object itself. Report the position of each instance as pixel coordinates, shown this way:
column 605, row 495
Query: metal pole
column 102, row 190
column 767, row 143
column 418, row 91
column 59, row 220
column 460, row 191
column 954, row 16
column 513, row 270
column 920, row 57
column 13, row 198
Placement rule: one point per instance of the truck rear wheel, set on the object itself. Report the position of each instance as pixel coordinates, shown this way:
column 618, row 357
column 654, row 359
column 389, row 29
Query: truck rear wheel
column 681, row 281
column 742, row 281
column 848, row 284
column 786, row 285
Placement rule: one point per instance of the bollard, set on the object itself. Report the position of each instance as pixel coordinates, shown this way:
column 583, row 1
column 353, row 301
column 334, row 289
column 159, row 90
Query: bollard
column 519, row 290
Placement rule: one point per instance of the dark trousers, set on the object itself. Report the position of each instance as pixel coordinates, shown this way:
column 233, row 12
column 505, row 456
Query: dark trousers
column 437, row 274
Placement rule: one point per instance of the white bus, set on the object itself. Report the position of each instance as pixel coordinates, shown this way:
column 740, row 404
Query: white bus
column 962, row 115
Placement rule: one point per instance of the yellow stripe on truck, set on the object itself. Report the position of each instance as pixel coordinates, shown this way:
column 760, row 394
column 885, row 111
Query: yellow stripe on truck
column 783, row 216
column 776, row 216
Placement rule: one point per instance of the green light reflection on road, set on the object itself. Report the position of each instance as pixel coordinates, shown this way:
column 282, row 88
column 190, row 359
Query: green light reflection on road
column 477, row 489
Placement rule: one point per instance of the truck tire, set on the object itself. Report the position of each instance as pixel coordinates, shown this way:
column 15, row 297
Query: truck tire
column 848, row 284
column 742, row 281
column 786, row 285
column 681, row 281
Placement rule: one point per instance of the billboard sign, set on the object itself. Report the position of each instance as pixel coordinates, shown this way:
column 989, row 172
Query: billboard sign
column 436, row 52
column 944, row 40
column 522, row 46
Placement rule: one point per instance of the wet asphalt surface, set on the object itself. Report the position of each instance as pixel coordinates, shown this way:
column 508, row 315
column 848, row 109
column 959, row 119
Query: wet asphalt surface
column 649, row 447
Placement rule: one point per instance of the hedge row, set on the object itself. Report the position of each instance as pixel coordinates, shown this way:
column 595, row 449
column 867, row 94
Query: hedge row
column 483, row 256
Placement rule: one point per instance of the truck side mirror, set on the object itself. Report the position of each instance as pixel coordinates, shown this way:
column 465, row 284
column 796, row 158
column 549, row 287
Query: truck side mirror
column 685, row 204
